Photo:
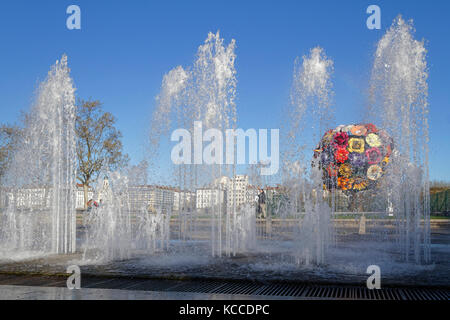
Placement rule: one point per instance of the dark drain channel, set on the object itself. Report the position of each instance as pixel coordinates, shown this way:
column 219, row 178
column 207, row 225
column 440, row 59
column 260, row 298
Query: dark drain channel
column 282, row 290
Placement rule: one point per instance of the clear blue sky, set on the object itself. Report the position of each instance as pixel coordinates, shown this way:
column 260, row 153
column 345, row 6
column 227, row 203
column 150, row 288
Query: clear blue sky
column 125, row 47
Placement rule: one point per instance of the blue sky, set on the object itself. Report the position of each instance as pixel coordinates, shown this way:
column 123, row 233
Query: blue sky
column 125, row 47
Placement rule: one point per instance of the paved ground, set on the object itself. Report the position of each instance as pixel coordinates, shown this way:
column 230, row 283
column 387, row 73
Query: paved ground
column 272, row 260
column 55, row 293
column 185, row 277
column 40, row 287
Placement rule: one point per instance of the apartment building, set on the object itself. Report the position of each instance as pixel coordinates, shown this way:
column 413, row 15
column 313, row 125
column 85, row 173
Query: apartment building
column 237, row 189
column 208, row 199
column 183, row 200
column 37, row 197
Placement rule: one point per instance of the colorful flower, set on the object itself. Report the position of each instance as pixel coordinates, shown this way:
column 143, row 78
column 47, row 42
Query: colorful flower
column 373, row 140
column 371, row 128
column 373, row 155
column 344, row 183
column 349, row 128
column 341, row 139
column 332, row 170
column 345, row 170
column 359, row 130
column 341, row 155
column 374, row 172
column 356, row 145
column 328, row 136
column 385, row 161
column 360, row 183
column 357, row 160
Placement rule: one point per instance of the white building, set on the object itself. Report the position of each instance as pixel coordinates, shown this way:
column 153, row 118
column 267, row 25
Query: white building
column 161, row 197
column 186, row 200
column 140, row 196
column 38, row 197
column 79, row 198
column 151, row 197
column 31, row 198
column 237, row 191
column 209, row 198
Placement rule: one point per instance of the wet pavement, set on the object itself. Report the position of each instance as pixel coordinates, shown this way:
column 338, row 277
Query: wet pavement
column 272, row 260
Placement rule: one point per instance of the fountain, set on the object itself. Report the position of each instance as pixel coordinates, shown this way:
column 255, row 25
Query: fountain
column 40, row 182
column 117, row 229
column 302, row 237
column 311, row 99
column 205, row 95
column 399, row 93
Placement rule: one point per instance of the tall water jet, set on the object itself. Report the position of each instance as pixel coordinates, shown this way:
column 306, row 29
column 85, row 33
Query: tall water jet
column 202, row 94
column 108, row 236
column 170, row 101
column 118, row 228
column 243, row 231
column 399, row 92
column 311, row 101
column 41, row 178
column 214, row 83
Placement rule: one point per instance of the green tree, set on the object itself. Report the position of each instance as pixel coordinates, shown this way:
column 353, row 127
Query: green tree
column 99, row 143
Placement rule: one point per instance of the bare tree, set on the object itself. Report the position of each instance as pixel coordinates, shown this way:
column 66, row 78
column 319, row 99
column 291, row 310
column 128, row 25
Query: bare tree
column 9, row 135
column 99, row 143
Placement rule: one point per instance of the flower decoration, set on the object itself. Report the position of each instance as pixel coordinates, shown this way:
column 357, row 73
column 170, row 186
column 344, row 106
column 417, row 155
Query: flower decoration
column 341, row 139
column 373, row 140
column 374, row 172
column 326, row 156
column 332, row 170
column 328, row 136
column 341, row 154
column 373, row 155
column 371, row 128
column 360, row 184
column 385, row 161
column 354, row 157
column 356, row 145
column 357, row 159
column 358, row 130
column 345, row 183
column 345, row 170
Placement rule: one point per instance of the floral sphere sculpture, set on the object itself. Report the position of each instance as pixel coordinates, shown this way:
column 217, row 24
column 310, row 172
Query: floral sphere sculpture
column 354, row 157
